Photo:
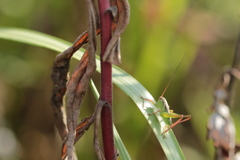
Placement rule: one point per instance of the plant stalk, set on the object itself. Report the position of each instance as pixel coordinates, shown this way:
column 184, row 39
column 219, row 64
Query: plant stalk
column 106, row 82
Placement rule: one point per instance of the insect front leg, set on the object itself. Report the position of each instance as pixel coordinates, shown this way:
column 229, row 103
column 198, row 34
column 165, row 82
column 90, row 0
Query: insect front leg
column 153, row 104
column 148, row 100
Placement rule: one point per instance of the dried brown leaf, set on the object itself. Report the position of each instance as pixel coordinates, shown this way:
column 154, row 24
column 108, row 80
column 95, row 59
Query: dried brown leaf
column 79, row 81
column 60, row 77
column 120, row 22
column 81, row 128
column 97, row 145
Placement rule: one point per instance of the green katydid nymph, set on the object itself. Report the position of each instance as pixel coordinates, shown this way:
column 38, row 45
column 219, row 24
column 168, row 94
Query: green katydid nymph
column 165, row 111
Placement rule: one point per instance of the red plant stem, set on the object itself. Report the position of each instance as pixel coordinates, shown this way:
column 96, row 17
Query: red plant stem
column 106, row 82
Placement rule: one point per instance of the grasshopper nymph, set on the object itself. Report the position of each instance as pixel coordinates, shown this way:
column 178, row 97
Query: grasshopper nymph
column 165, row 111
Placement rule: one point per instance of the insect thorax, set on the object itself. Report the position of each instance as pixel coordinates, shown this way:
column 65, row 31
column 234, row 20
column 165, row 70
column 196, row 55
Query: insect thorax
column 165, row 103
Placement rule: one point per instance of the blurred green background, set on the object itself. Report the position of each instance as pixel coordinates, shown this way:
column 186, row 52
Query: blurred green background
column 159, row 34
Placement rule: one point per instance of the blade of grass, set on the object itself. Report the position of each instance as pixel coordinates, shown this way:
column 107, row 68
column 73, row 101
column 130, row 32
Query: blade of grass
column 123, row 80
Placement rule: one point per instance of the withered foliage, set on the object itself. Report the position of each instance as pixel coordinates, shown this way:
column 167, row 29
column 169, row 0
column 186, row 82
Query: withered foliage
column 81, row 128
column 121, row 14
column 76, row 87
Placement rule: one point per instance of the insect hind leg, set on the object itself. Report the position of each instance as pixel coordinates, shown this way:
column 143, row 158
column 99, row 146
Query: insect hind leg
column 180, row 120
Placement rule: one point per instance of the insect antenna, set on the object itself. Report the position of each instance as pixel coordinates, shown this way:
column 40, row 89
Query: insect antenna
column 172, row 76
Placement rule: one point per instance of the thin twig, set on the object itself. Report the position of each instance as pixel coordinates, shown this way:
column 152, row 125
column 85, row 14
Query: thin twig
column 220, row 126
column 235, row 64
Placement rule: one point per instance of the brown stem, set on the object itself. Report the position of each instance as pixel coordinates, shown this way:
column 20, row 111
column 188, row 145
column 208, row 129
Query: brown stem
column 106, row 81
column 235, row 64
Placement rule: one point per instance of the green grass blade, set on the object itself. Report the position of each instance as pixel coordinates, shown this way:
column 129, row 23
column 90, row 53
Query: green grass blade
column 34, row 38
column 123, row 80
column 135, row 90
column 120, row 146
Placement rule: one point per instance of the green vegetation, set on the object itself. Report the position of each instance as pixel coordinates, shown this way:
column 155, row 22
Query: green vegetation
column 159, row 34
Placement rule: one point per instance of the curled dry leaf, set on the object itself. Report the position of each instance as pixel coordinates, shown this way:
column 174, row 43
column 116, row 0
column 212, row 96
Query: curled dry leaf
column 97, row 146
column 78, row 84
column 79, row 81
column 120, row 11
column 81, row 128
column 98, row 111
column 59, row 77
